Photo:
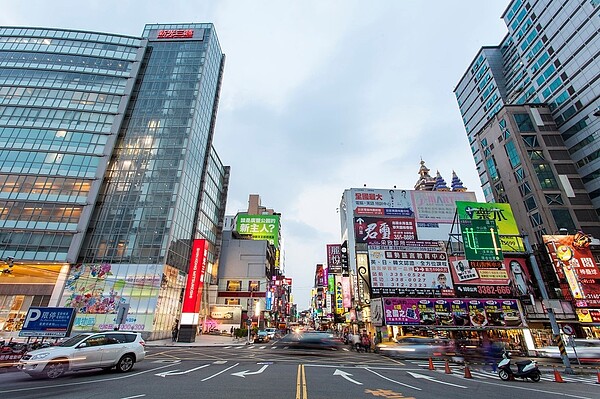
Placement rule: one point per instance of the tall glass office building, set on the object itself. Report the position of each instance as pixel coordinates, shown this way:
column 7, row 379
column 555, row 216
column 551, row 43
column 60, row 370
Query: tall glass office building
column 108, row 171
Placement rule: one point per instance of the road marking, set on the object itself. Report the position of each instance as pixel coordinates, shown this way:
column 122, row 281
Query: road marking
column 346, row 376
column 136, row 396
column 430, row 378
column 389, row 379
column 301, row 383
column 244, row 373
column 36, row 388
column 220, row 372
column 177, row 372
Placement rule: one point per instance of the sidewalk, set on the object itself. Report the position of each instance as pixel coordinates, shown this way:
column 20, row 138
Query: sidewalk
column 201, row 340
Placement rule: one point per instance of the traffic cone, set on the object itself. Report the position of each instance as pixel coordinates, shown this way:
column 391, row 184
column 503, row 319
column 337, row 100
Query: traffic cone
column 431, row 367
column 447, row 368
column 557, row 376
column 598, row 377
column 468, row 372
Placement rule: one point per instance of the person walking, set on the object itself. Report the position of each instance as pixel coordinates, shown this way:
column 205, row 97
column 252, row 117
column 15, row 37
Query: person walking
column 175, row 330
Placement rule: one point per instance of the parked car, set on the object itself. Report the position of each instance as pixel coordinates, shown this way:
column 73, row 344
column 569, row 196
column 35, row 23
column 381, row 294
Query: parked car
column 271, row 332
column 262, row 336
column 104, row 350
column 414, row 347
column 587, row 350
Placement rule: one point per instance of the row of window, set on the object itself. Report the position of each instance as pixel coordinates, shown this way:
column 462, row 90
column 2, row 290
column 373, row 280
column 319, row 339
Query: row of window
column 55, row 118
column 70, row 35
column 43, row 188
column 16, row 162
column 57, row 98
column 36, row 211
column 52, row 140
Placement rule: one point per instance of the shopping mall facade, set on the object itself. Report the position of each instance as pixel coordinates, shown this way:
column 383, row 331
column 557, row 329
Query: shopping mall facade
column 108, row 175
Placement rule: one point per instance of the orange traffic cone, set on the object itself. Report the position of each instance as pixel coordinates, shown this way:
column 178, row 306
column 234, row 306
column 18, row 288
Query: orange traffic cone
column 598, row 377
column 468, row 372
column 447, row 368
column 431, row 364
column 557, row 376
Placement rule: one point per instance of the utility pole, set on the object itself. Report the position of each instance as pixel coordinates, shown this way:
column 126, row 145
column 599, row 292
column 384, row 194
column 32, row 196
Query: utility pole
column 549, row 309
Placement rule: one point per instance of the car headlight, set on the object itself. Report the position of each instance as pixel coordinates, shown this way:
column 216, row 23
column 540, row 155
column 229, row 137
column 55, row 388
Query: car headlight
column 39, row 356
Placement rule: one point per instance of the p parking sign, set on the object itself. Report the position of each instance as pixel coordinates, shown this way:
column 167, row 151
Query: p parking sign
column 48, row 322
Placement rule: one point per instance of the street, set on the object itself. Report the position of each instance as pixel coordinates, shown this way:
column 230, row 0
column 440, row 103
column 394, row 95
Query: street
column 272, row 370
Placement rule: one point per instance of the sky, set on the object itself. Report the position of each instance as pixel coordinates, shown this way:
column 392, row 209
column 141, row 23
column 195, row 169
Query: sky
column 319, row 96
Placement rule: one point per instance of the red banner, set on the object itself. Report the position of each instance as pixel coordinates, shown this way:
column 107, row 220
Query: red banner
column 195, row 282
column 369, row 229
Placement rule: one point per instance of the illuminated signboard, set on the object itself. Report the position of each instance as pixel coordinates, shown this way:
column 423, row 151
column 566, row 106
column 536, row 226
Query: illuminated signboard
column 481, row 240
column 175, row 34
column 259, row 227
column 193, row 290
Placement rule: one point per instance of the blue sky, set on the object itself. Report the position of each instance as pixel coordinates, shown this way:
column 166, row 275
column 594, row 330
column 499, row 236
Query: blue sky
column 319, row 96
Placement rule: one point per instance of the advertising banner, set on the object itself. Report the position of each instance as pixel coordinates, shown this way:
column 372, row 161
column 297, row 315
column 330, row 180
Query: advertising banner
column 500, row 213
column 346, row 292
column 451, row 312
column 339, row 295
column 47, row 322
column 195, row 282
column 260, row 227
column 369, row 229
column 334, row 258
column 435, row 207
column 226, row 314
column 319, row 276
column 481, row 240
column 409, row 272
column 588, row 315
column 482, row 279
column 573, row 261
column 379, row 202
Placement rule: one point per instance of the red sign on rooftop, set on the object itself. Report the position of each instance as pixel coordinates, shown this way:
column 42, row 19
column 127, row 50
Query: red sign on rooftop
column 175, row 34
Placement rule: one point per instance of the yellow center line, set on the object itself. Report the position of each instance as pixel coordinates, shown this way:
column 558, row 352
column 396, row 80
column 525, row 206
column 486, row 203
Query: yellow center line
column 301, row 383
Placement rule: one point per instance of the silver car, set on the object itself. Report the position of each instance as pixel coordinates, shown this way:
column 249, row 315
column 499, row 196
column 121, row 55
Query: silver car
column 587, row 350
column 105, row 350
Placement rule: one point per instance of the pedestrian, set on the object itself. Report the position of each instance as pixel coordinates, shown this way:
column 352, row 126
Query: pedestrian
column 231, row 331
column 175, row 330
column 366, row 342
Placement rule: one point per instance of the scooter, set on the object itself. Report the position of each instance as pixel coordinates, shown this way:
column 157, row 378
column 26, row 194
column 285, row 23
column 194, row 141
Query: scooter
column 525, row 369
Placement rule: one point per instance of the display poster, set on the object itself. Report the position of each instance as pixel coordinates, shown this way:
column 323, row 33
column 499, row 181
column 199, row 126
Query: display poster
column 438, row 207
column 382, row 202
column 573, row 261
column 260, row 227
column 339, row 295
column 334, row 258
column 346, row 292
column 319, row 276
column 409, row 272
column 588, row 315
column 368, row 229
column 451, row 312
column 482, row 279
column 501, row 214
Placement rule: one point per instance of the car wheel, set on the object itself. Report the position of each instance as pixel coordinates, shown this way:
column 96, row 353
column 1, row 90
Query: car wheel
column 535, row 377
column 125, row 363
column 55, row 369
column 503, row 374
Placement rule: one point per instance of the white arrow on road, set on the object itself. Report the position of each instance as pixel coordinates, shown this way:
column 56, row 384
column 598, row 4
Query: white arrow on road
column 429, row 378
column 244, row 373
column 177, row 372
column 346, row 376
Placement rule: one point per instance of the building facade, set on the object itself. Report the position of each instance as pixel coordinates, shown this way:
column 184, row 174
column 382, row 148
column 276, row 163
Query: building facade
column 548, row 57
column 115, row 171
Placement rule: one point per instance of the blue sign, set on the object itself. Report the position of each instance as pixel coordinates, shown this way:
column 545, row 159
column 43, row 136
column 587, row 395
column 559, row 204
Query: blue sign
column 48, row 322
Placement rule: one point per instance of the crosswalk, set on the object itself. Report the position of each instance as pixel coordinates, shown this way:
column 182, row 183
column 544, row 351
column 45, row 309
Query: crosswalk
column 481, row 372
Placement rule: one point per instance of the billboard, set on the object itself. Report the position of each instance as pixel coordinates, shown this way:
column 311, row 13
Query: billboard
column 452, row 312
column 573, row 261
column 435, row 207
column 334, row 258
column 367, row 229
column 320, row 276
column 410, row 271
column 48, row 322
column 485, row 278
column 195, row 282
column 380, row 202
column 259, row 227
column 500, row 213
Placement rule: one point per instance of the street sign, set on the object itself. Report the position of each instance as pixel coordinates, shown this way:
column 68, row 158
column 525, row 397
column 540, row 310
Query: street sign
column 567, row 329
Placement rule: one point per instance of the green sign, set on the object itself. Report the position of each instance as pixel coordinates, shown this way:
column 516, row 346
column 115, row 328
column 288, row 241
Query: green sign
column 260, row 227
column 481, row 240
column 501, row 214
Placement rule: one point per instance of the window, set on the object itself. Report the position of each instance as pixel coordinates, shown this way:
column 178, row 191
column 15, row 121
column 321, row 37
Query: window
column 519, row 174
column 537, row 155
column 525, row 189
column 530, row 141
column 492, row 170
column 545, row 176
column 530, row 203
column 563, row 219
column 232, row 301
column 253, row 285
column 554, row 199
column 524, row 123
column 234, row 285
column 513, row 155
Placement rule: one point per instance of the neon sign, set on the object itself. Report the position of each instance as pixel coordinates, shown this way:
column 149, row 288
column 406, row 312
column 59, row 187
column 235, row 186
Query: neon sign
column 175, row 34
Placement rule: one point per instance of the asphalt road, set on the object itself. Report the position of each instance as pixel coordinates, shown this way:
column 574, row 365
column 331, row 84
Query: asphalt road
column 272, row 371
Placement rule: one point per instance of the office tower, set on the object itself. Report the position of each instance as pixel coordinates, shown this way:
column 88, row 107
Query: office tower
column 542, row 79
column 109, row 173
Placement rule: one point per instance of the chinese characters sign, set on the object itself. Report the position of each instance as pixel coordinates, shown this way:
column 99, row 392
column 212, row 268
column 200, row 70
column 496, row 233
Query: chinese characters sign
column 500, row 213
column 175, row 34
column 409, row 272
column 481, row 240
column 195, row 282
column 369, row 229
column 334, row 258
column 480, row 278
column 47, row 322
column 573, row 262
column 260, row 227
column 452, row 312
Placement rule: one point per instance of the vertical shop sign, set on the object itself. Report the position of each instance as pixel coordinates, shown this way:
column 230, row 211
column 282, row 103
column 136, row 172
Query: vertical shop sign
column 346, row 292
column 193, row 289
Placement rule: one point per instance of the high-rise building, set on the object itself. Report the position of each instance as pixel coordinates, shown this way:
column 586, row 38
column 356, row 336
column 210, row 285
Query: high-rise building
column 109, row 176
column 548, row 57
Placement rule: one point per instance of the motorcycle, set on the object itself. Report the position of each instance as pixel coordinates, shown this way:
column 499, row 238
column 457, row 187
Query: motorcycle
column 525, row 369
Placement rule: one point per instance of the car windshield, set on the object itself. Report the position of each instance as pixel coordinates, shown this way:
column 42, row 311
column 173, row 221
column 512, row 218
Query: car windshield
column 74, row 340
